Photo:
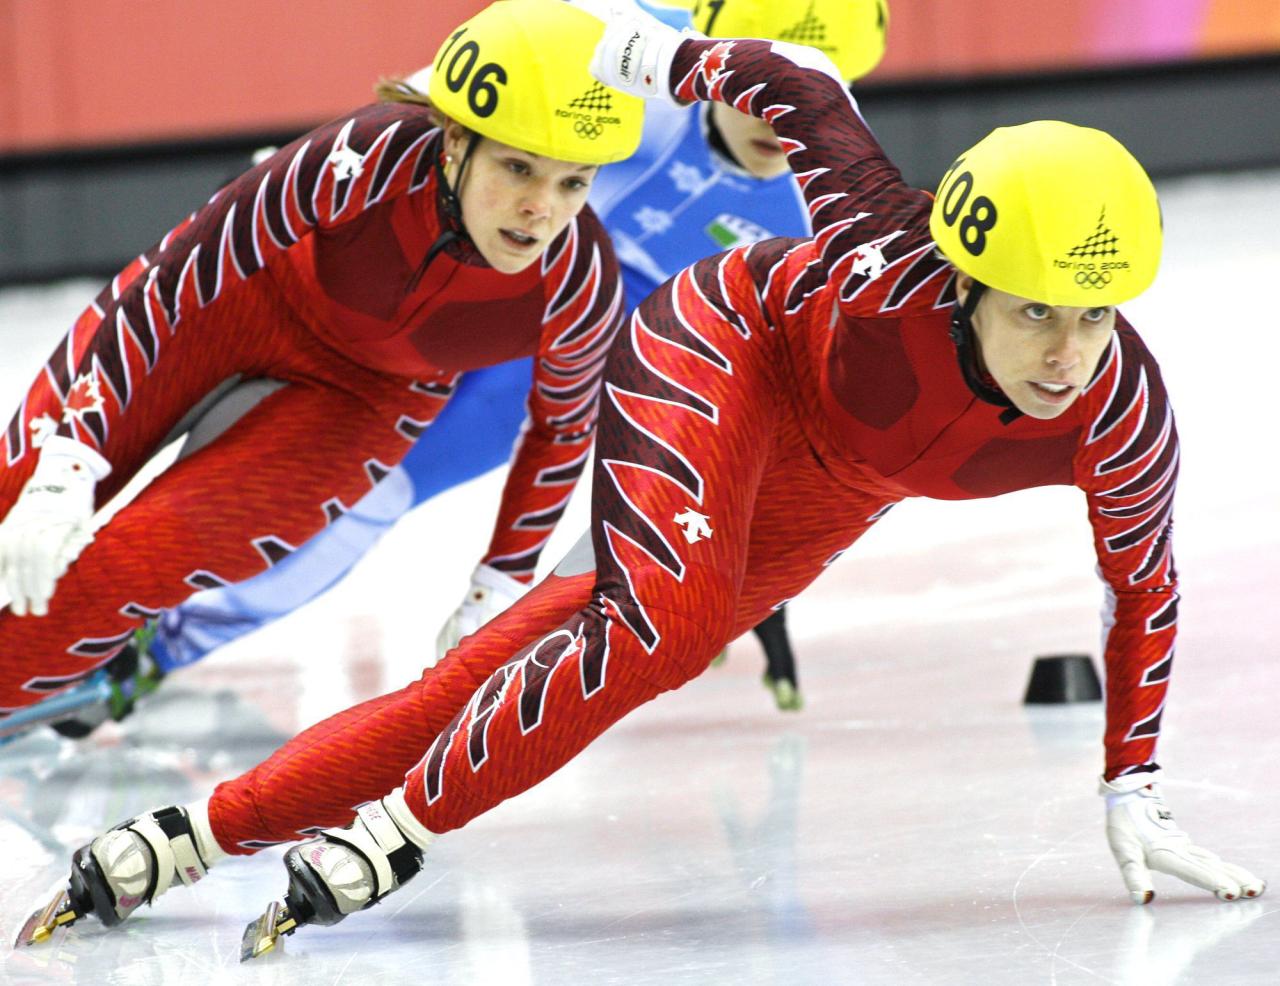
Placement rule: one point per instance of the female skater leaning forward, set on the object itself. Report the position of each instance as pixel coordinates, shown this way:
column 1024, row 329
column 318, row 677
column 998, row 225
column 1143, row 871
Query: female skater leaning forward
column 766, row 407
column 361, row 268
column 720, row 171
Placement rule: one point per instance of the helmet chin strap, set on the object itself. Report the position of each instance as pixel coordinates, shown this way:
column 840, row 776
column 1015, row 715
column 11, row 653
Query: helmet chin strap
column 963, row 336
column 452, row 208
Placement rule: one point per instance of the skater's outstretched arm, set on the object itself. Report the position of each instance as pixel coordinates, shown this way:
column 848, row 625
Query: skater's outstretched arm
column 865, row 218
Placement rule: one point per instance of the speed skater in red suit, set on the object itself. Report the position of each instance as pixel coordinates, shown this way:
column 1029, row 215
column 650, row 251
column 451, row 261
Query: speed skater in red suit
column 362, row 268
column 761, row 412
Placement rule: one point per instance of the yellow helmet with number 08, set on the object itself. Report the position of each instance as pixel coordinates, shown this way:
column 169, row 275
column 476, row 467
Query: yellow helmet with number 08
column 849, row 32
column 1053, row 212
column 516, row 72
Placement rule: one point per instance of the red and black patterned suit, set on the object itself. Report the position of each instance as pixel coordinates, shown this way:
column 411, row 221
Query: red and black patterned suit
column 309, row 270
column 763, row 409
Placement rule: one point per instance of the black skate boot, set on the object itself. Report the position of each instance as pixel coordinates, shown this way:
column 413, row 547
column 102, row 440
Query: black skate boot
column 126, row 867
column 343, row 871
column 780, row 663
column 110, row 692
column 117, row 687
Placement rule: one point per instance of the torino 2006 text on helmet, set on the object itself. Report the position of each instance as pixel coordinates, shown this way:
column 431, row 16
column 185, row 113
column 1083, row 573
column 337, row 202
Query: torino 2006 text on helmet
column 1056, row 213
column 849, row 32
column 516, row 72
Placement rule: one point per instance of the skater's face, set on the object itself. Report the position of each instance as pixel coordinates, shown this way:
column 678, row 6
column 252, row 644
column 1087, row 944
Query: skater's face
column 751, row 141
column 514, row 203
column 1041, row 356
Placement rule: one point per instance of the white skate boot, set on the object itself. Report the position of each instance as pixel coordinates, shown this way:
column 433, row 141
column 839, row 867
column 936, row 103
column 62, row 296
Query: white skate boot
column 343, row 871
column 131, row 865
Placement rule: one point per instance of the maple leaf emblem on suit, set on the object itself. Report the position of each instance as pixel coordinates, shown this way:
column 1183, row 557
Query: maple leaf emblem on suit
column 84, row 397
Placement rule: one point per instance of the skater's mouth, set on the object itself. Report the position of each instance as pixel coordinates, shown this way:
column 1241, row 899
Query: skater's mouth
column 518, row 238
column 1052, row 392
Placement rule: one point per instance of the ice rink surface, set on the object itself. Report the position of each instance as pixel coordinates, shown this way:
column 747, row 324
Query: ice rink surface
column 914, row 824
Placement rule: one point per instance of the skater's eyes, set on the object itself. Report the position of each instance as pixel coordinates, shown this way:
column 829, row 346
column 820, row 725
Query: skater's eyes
column 518, row 167
column 576, row 184
column 1038, row 312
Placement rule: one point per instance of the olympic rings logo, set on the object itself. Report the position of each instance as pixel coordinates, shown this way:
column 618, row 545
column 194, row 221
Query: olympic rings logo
column 590, row 131
column 1093, row 278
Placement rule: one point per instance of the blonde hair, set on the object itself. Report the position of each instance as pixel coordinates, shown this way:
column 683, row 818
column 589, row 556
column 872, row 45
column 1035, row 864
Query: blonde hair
column 394, row 89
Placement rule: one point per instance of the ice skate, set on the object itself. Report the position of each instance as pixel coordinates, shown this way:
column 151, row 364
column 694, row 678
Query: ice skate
column 131, row 865
column 343, row 871
column 786, row 694
column 780, row 663
column 111, row 692
column 127, row 677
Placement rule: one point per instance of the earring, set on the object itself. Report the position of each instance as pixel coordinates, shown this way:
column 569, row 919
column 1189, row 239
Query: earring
column 448, row 160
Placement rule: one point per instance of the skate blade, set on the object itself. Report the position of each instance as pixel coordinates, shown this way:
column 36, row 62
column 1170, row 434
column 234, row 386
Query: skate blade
column 45, row 921
column 261, row 934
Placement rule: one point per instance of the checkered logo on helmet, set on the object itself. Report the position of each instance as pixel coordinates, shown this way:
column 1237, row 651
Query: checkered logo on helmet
column 808, row 31
column 597, row 99
column 1103, row 242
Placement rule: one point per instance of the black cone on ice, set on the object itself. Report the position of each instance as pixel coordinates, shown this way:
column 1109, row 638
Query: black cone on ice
column 1060, row 678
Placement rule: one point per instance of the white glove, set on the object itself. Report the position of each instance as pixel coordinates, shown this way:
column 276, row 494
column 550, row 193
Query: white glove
column 491, row 592
column 1144, row 837
column 635, row 53
column 49, row 524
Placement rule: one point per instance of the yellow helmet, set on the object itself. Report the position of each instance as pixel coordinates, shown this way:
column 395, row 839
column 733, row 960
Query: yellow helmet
column 1060, row 214
column 849, row 32
column 516, row 72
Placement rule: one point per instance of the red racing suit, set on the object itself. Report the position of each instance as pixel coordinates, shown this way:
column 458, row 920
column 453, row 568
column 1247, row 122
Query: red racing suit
column 764, row 409
column 308, row 269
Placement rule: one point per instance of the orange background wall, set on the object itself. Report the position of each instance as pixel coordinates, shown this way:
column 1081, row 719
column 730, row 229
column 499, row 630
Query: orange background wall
column 118, row 71
column 97, row 72
column 976, row 37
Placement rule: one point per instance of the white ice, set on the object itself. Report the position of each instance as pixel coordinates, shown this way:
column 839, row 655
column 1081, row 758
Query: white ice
column 914, row 824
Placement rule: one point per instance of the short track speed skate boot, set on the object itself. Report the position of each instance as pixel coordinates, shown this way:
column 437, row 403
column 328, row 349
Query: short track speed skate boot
column 131, row 865
column 110, row 692
column 780, row 663
column 343, row 871
column 127, row 677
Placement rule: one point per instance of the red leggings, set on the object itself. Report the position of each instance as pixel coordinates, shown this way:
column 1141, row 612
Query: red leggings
column 269, row 482
column 709, row 509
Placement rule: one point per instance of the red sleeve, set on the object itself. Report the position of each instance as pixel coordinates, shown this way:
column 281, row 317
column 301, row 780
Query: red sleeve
column 866, row 220
column 583, row 314
column 1128, row 467
column 323, row 179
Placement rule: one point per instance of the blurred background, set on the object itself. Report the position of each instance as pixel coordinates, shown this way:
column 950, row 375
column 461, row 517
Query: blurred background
column 117, row 117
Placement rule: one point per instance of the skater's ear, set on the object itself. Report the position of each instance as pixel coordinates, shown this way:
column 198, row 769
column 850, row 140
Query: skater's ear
column 457, row 139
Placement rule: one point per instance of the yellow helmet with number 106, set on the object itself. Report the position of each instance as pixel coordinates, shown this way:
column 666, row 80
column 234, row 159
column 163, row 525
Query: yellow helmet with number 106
column 1049, row 211
column 516, row 72
column 849, row 32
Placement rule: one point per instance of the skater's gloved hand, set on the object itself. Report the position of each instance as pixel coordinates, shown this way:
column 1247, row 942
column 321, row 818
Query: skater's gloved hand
column 636, row 51
column 50, row 523
column 1144, row 837
column 491, row 592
